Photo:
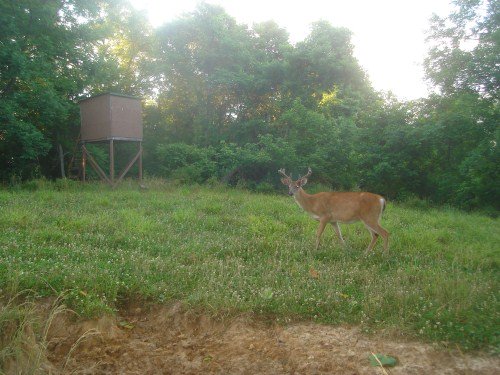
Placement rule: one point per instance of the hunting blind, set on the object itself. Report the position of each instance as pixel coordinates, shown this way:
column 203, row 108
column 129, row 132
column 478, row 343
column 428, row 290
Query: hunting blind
column 110, row 118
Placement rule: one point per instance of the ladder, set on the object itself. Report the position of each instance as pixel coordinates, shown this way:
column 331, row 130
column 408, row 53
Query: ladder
column 75, row 163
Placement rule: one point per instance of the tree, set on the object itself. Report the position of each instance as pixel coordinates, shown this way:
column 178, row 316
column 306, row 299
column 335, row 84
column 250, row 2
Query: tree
column 51, row 53
column 325, row 62
column 464, row 63
column 205, row 62
column 42, row 47
column 465, row 55
column 127, row 46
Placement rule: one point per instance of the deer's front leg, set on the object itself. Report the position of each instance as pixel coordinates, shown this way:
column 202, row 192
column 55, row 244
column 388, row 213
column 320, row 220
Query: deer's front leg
column 322, row 223
column 339, row 233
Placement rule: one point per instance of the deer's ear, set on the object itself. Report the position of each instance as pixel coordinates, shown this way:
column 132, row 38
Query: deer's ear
column 303, row 181
column 285, row 181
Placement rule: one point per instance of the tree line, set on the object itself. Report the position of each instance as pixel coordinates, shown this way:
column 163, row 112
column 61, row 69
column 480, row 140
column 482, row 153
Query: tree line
column 229, row 102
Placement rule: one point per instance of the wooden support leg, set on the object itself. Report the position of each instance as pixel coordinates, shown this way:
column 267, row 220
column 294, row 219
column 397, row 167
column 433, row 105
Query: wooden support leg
column 111, row 162
column 140, row 162
column 96, row 167
column 129, row 165
column 84, row 161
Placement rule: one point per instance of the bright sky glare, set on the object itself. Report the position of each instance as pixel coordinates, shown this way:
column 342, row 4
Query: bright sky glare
column 389, row 35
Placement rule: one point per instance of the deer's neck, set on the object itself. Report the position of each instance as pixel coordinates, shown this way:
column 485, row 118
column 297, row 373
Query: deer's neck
column 303, row 199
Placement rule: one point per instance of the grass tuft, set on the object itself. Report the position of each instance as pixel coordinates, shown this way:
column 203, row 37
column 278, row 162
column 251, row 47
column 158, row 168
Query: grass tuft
column 24, row 333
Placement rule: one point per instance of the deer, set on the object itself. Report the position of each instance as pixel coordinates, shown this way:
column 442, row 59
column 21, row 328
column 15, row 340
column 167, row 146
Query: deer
column 339, row 207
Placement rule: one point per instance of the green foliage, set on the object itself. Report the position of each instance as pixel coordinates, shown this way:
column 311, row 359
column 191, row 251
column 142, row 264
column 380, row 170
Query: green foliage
column 325, row 60
column 229, row 102
column 184, row 162
column 480, row 175
column 21, row 144
column 228, row 161
column 50, row 54
column 234, row 251
column 466, row 46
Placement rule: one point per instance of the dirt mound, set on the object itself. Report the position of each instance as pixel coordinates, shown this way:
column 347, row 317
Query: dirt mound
column 169, row 340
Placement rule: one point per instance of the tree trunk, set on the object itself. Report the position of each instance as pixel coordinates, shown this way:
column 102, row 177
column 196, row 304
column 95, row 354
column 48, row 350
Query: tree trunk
column 61, row 159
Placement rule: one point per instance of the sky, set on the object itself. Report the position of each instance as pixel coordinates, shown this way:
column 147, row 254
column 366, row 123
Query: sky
column 388, row 35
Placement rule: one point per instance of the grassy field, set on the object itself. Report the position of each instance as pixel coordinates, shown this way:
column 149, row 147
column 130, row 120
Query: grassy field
column 227, row 251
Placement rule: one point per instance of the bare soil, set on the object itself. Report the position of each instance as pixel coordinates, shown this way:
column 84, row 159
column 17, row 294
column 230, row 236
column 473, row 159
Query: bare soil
column 171, row 340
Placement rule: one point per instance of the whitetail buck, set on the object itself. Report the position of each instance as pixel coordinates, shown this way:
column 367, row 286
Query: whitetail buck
column 334, row 208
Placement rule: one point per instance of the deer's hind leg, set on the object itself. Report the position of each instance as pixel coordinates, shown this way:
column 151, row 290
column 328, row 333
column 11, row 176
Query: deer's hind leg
column 374, row 239
column 375, row 230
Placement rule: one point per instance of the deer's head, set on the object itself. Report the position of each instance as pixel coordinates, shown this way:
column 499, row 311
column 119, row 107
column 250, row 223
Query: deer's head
column 294, row 186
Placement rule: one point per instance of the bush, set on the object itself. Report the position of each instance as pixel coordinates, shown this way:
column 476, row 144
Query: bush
column 185, row 162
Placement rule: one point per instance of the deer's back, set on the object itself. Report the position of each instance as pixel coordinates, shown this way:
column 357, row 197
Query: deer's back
column 349, row 206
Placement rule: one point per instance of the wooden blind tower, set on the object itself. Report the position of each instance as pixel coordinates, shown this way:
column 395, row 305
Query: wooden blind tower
column 109, row 118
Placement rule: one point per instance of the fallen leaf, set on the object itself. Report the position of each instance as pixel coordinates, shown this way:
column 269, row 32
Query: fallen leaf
column 267, row 293
column 125, row 325
column 377, row 360
column 314, row 274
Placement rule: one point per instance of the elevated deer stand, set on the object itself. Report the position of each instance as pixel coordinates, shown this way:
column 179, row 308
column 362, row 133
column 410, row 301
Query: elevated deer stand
column 110, row 118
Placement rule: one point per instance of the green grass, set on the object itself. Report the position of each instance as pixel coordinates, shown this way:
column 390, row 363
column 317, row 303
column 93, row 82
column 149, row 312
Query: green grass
column 228, row 250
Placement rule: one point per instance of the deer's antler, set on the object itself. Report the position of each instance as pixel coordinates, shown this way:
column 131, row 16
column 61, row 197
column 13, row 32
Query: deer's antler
column 282, row 172
column 309, row 172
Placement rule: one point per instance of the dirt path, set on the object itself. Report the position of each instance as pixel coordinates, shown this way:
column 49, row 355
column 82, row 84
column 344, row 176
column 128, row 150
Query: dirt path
column 171, row 341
